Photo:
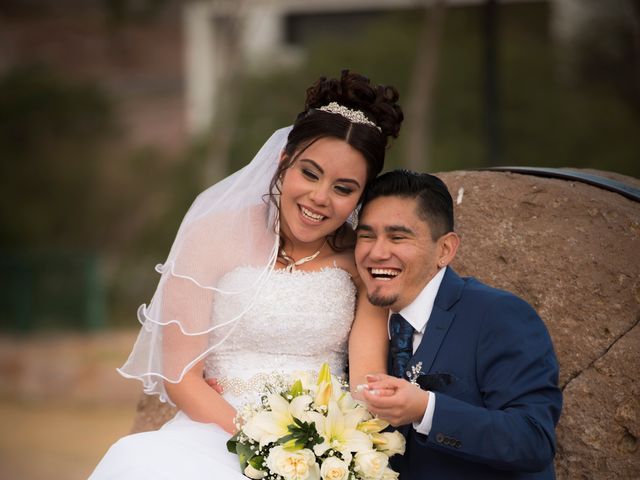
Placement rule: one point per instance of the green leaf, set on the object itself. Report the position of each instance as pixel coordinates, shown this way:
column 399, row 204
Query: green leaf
column 245, row 454
column 302, row 435
column 256, row 462
column 232, row 443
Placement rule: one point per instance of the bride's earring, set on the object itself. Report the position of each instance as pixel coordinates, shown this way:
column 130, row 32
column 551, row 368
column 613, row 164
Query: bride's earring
column 352, row 219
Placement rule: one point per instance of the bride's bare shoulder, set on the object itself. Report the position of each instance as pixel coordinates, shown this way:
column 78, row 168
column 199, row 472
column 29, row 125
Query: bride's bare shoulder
column 346, row 261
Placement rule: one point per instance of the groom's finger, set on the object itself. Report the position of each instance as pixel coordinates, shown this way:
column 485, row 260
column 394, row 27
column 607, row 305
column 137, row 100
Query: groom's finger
column 381, row 390
column 385, row 382
column 384, row 392
column 381, row 400
column 378, row 377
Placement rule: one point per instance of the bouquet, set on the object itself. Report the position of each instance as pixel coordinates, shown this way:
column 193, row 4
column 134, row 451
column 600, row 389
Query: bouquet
column 309, row 427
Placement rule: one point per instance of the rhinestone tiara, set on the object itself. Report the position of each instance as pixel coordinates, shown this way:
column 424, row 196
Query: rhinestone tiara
column 354, row 116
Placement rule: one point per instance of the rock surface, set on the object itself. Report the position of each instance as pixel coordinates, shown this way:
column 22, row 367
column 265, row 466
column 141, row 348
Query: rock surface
column 573, row 251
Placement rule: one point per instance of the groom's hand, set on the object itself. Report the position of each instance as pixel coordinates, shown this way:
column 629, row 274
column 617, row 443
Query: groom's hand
column 405, row 405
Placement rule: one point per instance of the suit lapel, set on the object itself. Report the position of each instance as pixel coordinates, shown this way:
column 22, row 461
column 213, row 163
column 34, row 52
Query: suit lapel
column 439, row 322
column 437, row 328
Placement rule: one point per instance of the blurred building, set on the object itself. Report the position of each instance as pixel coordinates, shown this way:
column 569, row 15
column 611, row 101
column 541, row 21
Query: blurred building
column 222, row 35
column 134, row 55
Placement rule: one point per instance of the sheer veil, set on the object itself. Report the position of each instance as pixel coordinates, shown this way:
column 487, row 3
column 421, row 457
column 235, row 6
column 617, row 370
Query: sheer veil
column 229, row 225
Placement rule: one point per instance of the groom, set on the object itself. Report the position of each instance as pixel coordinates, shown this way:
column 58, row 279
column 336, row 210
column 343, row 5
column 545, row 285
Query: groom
column 484, row 400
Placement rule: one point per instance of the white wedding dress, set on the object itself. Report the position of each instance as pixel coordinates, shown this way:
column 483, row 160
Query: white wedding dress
column 299, row 320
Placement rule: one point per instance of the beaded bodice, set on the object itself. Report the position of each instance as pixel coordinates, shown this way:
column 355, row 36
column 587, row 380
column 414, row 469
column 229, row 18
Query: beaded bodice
column 298, row 321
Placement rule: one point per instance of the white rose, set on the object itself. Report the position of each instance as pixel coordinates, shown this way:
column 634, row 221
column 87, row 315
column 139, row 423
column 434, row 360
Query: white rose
column 254, row 473
column 390, row 442
column 334, row 469
column 371, row 464
column 293, row 465
column 389, row 474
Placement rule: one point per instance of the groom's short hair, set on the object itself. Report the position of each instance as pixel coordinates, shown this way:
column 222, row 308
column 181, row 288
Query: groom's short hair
column 434, row 203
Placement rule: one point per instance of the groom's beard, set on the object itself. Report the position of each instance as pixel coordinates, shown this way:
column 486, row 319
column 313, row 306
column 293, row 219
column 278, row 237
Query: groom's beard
column 380, row 301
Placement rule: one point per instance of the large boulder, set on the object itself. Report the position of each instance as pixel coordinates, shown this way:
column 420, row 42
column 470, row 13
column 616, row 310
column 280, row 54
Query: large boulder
column 572, row 250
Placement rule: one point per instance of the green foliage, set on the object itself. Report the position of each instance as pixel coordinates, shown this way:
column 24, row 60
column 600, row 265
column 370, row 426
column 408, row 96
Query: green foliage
column 243, row 451
column 303, row 435
column 52, row 138
column 257, row 462
column 65, row 189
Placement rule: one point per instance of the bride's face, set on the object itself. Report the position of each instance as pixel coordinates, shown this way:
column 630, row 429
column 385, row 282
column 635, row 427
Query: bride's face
column 321, row 189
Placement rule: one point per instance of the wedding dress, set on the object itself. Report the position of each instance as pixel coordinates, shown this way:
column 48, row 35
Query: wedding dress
column 299, row 320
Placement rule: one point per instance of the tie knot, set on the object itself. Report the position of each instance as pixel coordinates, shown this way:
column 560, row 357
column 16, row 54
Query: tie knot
column 399, row 326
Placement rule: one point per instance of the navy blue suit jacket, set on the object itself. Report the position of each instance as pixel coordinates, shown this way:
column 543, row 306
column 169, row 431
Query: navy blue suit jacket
column 497, row 416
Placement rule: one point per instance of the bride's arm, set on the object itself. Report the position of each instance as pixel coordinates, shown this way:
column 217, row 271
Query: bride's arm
column 368, row 341
column 201, row 402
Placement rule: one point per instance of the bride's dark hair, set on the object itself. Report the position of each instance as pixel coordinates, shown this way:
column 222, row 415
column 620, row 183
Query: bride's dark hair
column 356, row 92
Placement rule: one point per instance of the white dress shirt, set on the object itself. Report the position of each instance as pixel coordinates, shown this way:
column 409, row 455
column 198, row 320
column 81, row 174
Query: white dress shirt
column 417, row 313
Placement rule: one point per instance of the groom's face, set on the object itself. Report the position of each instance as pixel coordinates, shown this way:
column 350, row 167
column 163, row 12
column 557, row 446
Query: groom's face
column 395, row 252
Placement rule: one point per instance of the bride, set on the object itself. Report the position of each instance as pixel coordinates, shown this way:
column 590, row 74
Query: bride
column 261, row 279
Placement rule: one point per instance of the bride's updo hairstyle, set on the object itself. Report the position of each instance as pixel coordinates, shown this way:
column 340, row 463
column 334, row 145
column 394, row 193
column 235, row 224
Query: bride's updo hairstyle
column 378, row 104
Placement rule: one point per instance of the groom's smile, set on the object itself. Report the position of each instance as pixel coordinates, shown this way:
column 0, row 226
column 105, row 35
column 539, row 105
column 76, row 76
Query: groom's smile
column 384, row 274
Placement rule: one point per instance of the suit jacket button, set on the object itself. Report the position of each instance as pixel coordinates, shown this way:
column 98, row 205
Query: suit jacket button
column 458, row 444
column 439, row 438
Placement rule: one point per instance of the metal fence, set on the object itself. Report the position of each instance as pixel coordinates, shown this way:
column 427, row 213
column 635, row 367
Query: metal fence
column 51, row 290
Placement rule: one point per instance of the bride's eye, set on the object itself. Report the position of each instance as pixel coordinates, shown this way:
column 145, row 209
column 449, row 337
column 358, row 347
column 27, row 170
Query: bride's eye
column 344, row 190
column 309, row 174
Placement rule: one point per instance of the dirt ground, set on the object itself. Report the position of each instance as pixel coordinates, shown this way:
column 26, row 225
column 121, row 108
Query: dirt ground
column 62, row 403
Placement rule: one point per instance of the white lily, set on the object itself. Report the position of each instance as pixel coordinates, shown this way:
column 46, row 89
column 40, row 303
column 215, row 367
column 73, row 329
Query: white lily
column 266, row 427
column 339, row 432
column 324, row 375
column 324, row 394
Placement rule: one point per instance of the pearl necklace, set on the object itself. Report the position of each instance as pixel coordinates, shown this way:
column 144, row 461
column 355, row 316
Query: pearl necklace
column 292, row 264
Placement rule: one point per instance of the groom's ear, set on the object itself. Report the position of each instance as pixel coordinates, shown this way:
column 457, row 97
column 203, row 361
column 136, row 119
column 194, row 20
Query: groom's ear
column 447, row 247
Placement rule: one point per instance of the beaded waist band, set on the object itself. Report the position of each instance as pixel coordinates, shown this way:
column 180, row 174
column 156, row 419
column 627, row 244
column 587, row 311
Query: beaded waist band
column 258, row 383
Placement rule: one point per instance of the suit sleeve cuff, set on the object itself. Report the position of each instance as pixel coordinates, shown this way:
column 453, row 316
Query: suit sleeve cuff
column 424, row 426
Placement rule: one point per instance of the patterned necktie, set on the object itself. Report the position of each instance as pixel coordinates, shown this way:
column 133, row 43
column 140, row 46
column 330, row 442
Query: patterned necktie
column 401, row 344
